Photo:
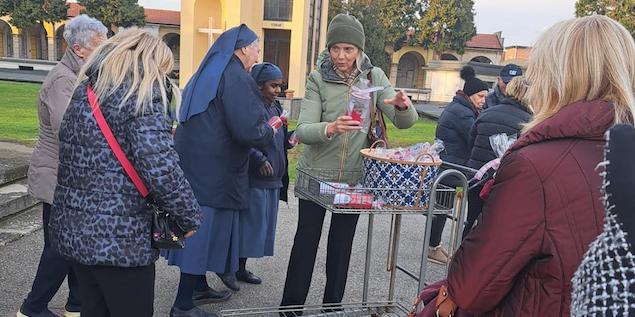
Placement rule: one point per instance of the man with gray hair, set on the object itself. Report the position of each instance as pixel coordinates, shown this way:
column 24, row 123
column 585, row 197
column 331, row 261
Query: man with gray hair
column 83, row 34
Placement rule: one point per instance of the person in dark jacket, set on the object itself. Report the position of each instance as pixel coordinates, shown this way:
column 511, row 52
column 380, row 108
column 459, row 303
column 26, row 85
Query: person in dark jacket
column 603, row 285
column 267, row 168
column 100, row 220
column 222, row 118
column 453, row 128
column 83, row 34
column 507, row 117
column 499, row 93
column 544, row 208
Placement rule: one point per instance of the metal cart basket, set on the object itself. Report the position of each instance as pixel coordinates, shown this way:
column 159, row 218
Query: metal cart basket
column 325, row 188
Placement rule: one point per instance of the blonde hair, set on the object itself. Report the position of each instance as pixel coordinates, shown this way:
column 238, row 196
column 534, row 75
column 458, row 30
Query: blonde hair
column 140, row 59
column 516, row 89
column 589, row 58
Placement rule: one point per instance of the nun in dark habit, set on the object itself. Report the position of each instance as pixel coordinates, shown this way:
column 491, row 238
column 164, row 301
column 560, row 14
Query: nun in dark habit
column 221, row 119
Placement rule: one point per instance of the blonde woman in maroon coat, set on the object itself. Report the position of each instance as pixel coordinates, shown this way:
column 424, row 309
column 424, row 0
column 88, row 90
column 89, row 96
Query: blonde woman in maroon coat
column 544, row 208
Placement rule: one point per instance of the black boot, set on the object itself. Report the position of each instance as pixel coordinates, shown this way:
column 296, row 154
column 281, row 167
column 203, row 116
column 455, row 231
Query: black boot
column 210, row 296
column 248, row 277
column 229, row 280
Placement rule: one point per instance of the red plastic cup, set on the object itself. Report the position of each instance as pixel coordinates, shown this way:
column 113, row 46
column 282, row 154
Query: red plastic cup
column 275, row 122
column 294, row 140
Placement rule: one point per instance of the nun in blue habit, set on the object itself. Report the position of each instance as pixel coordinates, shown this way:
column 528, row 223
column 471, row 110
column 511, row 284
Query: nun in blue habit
column 267, row 178
column 222, row 117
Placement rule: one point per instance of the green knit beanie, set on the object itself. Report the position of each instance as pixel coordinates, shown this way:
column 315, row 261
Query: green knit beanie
column 345, row 28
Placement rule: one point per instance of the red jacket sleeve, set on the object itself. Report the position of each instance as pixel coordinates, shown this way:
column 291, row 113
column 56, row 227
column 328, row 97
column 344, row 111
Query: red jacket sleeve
column 508, row 236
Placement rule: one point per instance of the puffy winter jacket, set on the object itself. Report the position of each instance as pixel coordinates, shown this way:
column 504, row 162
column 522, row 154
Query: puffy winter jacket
column 98, row 215
column 507, row 117
column 55, row 93
column 543, row 212
column 327, row 99
column 453, row 127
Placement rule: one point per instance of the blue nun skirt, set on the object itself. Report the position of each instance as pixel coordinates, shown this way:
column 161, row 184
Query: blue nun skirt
column 213, row 248
column 258, row 223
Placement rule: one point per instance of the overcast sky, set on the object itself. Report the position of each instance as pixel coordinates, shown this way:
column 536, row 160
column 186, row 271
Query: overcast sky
column 520, row 20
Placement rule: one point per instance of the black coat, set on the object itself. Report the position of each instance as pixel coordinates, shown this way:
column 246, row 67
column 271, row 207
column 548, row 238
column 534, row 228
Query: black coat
column 214, row 145
column 278, row 159
column 507, row 117
column 453, row 128
column 494, row 98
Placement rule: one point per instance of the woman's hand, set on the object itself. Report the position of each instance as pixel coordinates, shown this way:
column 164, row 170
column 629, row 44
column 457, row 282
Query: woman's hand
column 401, row 101
column 266, row 169
column 341, row 125
column 189, row 234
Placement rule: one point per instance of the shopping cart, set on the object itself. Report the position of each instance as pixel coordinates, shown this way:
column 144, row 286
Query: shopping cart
column 321, row 186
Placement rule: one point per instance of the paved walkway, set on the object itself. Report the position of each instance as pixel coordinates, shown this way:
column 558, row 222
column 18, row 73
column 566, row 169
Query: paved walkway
column 15, row 63
column 431, row 110
column 27, row 76
column 9, row 70
column 19, row 259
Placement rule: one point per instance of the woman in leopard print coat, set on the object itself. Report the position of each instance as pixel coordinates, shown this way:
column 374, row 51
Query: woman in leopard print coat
column 99, row 219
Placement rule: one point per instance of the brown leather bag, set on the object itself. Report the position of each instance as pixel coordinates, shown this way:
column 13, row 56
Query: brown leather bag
column 377, row 130
column 445, row 306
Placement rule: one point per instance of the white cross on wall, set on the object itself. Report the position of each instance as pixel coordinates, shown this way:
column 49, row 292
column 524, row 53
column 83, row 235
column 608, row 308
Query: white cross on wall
column 210, row 30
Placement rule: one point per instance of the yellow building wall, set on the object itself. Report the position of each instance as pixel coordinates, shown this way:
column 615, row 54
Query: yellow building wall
column 231, row 13
column 13, row 28
column 195, row 14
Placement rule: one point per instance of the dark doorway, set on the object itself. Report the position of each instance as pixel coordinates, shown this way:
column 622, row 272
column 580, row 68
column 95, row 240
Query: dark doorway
column 277, row 51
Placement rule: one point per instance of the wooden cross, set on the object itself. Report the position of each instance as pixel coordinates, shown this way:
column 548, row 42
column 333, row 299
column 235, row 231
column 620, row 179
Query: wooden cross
column 210, row 30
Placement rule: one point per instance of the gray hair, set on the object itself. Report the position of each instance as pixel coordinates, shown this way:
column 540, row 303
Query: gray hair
column 255, row 44
column 359, row 61
column 81, row 29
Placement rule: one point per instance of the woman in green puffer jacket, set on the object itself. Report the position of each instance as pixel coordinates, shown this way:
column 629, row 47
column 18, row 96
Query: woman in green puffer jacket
column 333, row 140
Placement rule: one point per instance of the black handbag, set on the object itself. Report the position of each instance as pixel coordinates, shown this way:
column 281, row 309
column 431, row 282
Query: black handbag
column 165, row 232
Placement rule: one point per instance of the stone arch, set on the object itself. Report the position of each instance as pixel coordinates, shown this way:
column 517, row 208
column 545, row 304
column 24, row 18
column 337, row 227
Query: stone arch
column 60, row 42
column 33, row 41
column 481, row 59
column 448, row 57
column 6, row 39
column 173, row 41
column 409, row 69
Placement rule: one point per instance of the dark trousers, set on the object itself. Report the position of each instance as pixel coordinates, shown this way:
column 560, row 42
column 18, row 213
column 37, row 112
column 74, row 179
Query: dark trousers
column 475, row 207
column 305, row 245
column 51, row 272
column 438, row 223
column 109, row 291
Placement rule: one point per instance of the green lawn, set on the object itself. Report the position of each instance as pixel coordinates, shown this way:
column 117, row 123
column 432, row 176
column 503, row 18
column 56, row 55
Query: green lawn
column 19, row 122
column 18, row 112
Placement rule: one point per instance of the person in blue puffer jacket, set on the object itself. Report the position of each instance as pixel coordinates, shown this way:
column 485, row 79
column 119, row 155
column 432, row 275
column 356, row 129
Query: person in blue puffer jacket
column 99, row 219
column 453, row 129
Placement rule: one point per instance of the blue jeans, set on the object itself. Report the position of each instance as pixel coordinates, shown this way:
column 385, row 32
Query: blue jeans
column 51, row 272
